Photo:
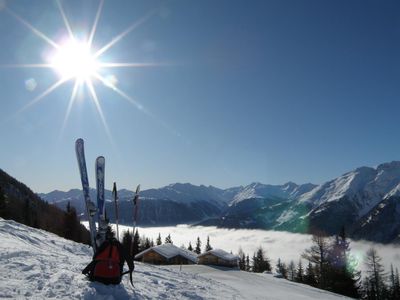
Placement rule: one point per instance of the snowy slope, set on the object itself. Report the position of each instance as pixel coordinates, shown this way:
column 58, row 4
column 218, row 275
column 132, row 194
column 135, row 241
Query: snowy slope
column 258, row 286
column 39, row 265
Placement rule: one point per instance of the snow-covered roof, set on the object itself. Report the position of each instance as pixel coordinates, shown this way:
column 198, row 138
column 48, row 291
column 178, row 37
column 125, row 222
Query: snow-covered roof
column 221, row 254
column 168, row 251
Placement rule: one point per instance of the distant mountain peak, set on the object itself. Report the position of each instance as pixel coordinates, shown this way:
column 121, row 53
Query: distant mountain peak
column 395, row 164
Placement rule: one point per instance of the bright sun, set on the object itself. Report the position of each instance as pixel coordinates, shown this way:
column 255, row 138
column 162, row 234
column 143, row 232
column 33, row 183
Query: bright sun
column 74, row 60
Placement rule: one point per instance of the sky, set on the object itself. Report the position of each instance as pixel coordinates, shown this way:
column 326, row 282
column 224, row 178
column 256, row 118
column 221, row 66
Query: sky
column 220, row 93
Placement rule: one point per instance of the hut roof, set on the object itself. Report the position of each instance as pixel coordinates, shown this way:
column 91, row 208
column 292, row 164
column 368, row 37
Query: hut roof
column 168, row 251
column 221, row 254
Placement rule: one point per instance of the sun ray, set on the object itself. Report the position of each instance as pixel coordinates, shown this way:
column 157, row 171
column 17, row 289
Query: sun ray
column 121, row 93
column 42, row 95
column 124, row 33
column 71, row 102
column 98, row 107
column 26, row 66
column 137, row 104
column 96, row 20
column 71, row 35
column 130, row 65
column 34, row 30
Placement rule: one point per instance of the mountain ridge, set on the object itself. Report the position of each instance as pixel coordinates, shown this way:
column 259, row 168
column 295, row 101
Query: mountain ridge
column 342, row 201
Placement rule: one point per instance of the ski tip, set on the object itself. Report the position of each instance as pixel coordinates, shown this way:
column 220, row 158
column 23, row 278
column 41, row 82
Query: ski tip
column 138, row 189
column 100, row 159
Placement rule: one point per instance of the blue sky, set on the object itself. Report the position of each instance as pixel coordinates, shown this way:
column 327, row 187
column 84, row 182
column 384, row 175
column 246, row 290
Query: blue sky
column 268, row 91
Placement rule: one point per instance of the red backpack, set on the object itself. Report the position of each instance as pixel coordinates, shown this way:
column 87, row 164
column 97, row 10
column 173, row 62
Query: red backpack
column 107, row 264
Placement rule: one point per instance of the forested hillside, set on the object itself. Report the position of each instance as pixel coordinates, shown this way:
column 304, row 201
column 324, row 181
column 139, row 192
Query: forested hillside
column 20, row 203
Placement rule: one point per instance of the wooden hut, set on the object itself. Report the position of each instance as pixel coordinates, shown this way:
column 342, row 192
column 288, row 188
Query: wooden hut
column 167, row 254
column 218, row 257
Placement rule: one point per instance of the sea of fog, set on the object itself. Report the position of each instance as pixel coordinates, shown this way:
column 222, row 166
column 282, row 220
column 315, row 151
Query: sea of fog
column 277, row 244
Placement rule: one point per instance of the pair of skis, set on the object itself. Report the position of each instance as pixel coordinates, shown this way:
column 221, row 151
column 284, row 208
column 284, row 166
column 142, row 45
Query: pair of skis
column 97, row 237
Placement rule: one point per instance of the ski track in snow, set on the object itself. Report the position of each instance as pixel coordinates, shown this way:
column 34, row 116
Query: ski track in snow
column 35, row 264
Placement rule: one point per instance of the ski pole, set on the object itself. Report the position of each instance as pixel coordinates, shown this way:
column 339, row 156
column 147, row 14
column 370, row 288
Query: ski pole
column 135, row 206
column 115, row 194
column 135, row 210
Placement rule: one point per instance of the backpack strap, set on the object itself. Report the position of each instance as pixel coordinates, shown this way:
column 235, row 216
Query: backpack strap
column 129, row 261
column 88, row 270
column 130, row 275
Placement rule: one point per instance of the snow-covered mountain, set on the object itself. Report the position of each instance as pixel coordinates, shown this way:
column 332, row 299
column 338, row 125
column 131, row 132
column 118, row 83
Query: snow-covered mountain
column 365, row 201
column 173, row 204
column 382, row 223
column 365, row 186
column 35, row 264
column 344, row 201
column 187, row 193
column 256, row 190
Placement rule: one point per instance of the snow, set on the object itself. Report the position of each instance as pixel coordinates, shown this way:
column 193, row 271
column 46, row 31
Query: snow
column 366, row 186
column 248, row 192
column 221, row 254
column 257, row 190
column 35, row 264
column 393, row 192
column 258, row 286
column 286, row 216
column 169, row 251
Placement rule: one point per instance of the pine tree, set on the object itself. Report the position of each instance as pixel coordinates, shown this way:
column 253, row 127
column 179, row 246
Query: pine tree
column 135, row 244
column 159, row 241
column 281, row 268
column 168, row 239
column 3, row 205
column 190, row 248
column 342, row 277
column 291, row 271
column 374, row 283
column 198, row 246
column 261, row 262
column 318, row 254
column 397, row 282
column 309, row 277
column 147, row 244
column 247, row 267
column 255, row 267
column 242, row 262
column 208, row 246
column 71, row 224
column 394, row 291
column 242, row 259
column 299, row 272
column 27, row 212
